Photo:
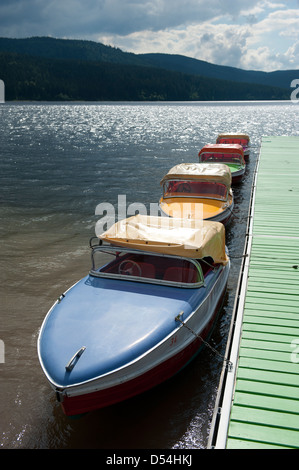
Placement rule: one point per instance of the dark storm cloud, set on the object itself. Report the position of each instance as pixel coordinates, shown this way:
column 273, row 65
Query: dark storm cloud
column 75, row 18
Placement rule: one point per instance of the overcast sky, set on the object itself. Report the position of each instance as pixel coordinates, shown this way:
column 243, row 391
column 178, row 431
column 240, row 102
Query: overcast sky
column 250, row 34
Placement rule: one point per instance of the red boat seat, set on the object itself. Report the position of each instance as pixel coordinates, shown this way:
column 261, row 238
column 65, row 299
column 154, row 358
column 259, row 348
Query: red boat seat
column 146, row 269
column 187, row 275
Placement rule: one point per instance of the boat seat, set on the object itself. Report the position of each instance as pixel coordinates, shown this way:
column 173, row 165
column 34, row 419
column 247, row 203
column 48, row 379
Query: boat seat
column 187, row 275
column 147, row 269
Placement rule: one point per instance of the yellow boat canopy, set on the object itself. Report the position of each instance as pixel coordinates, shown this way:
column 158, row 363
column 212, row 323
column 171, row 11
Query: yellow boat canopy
column 194, row 239
column 233, row 136
column 216, row 172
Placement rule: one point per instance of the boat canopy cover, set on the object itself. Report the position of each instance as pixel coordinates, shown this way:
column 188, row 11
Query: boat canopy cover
column 233, row 136
column 167, row 235
column 223, row 148
column 219, row 173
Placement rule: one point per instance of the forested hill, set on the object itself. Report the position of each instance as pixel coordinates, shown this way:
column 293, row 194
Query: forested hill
column 279, row 78
column 57, row 69
column 51, row 48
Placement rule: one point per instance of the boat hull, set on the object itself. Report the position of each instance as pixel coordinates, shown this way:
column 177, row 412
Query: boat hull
column 155, row 366
column 246, row 154
column 237, row 176
column 224, row 217
column 75, row 405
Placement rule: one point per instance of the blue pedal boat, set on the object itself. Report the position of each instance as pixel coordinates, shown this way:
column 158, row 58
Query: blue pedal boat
column 142, row 313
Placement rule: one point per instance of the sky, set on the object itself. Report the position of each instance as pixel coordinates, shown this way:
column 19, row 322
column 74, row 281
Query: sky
column 248, row 34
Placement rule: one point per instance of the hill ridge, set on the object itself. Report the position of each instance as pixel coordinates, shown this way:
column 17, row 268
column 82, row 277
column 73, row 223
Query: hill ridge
column 50, row 68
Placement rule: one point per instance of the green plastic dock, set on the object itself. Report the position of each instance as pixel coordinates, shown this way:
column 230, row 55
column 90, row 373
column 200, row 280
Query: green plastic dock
column 258, row 402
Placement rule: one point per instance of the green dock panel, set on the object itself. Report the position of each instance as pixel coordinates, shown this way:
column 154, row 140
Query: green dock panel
column 265, row 405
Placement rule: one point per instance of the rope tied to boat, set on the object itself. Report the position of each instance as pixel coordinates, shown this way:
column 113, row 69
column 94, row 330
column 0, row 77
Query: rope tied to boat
column 228, row 363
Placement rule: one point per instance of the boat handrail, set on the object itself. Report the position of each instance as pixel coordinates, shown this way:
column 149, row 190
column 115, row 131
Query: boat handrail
column 99, row 242
column 111, row 249
column 195, row 196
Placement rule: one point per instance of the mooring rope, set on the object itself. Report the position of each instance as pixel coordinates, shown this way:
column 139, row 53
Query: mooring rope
column 229, row 364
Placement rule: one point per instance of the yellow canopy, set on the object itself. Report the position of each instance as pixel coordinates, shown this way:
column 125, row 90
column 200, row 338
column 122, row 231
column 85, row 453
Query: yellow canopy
column 234, row 136
column 200, row 171
column 166, row 235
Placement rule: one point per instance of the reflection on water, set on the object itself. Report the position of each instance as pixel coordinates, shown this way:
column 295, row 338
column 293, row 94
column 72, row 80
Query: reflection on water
column 58, row 162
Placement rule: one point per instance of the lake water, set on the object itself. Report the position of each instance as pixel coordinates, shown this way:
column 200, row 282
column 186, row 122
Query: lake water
column 58, row 162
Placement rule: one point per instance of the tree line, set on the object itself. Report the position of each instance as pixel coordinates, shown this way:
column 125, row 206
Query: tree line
column 51, row 79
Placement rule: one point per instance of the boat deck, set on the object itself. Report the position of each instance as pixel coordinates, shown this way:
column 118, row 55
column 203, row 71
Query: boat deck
column 258, row 400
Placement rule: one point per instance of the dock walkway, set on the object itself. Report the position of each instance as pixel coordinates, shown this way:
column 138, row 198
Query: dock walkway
column 258, row 400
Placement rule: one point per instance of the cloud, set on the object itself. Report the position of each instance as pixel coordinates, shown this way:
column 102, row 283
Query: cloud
column 109, row 16
column 284, row 21
column 293, row 53
column 267, row 43
column 272, row 44
column 257, row 34
column 220, row 44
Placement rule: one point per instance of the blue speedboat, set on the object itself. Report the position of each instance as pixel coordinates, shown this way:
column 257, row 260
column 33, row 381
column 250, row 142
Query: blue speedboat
column 150, row 299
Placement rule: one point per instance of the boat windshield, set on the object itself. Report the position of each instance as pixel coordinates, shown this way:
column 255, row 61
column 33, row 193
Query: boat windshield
column 233, row 140
column 226, row 158
column 118, row 263
column 200, row 189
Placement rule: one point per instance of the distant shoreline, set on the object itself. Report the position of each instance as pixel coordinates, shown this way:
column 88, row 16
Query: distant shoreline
column 147, row 102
